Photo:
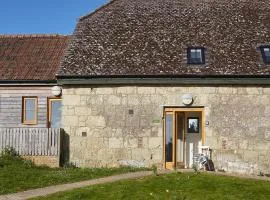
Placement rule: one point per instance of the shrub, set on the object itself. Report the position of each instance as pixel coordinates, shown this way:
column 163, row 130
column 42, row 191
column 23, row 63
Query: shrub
column 195, row 167
column 70, row 165
column 28, row 163
column 154, row 169
column 9, row 152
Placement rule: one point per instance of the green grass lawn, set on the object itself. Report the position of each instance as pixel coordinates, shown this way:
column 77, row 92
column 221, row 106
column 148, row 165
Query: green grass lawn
column 181, row 186
column 17, row 174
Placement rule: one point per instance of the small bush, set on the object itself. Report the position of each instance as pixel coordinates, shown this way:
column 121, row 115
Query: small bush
column 195, row 167
column 1, row 163
column 71, row 165
column 154, row 169
column 28, row 163
column 9, row 152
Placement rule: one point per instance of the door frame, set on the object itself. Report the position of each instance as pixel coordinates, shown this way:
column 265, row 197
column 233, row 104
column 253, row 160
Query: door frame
column 174, row 110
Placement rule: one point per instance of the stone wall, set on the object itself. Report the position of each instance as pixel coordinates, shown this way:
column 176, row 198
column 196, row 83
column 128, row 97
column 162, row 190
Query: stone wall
column 109, row 126
column 50, row 161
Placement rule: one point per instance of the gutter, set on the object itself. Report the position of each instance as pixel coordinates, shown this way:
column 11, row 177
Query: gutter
column 252, row 80
column 27, row 83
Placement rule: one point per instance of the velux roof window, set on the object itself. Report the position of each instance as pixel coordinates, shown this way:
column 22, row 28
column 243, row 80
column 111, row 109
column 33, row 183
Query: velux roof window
column 196, row 55
column 266, row 54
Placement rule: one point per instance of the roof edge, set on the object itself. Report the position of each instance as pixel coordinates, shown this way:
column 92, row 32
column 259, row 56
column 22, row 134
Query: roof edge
column 31, row 35
column 38, row 82
column 97, row 10
column 167, row 81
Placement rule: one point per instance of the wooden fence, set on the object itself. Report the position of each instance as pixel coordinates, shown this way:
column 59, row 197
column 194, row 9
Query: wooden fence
column 32, row 141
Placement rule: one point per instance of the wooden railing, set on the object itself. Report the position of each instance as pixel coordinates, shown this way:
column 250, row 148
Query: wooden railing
column 32, row 141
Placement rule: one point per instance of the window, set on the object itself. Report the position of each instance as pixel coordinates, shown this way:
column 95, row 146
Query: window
column 265, row 53
column 29, row 110
column 196, row 55
column 54, row 114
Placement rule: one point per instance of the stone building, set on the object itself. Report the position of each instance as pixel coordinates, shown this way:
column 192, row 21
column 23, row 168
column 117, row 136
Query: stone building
column 160, row 81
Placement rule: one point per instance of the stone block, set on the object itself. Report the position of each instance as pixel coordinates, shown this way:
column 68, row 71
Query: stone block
column 267, row 111
column 118, row 132
column 160, row 131
column 68, row 111
column 82, row 91
column 113, row 99
column 140, row 154
column 164, row 90
column 251, row 156
column 266, row 90
column 242, row 90
column 173, row 99
column 225, row 90
column 82, row 110
column 131, row 143
column 254, row 90
column 104, row 90
column 146, row 90
column 70, row 121
column 116, row 143
column 71, row 100
column 181, row 90
column 157, row 99
column 67, row 91
column 95, row 100
column 82, row 121
column 155, row 142
column 208, row 90
column 133, row 100
column 243, row 144
column 95, row 121
column 126, row 90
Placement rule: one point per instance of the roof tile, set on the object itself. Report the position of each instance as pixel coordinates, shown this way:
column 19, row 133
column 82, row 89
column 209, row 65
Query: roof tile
column 151, row 37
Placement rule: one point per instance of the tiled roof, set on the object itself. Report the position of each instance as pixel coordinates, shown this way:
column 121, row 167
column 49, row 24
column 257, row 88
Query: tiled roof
column 151, row 37
column 31, row 57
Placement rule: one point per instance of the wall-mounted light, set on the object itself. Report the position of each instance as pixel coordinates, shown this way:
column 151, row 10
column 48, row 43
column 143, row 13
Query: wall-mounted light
column 187, row 99
column 56, row 91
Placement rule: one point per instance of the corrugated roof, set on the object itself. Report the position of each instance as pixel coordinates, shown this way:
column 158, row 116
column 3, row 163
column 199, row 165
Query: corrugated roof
column 151, row 37
column 31, row 57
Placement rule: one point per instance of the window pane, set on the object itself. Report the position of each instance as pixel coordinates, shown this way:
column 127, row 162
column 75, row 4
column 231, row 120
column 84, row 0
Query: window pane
column 169, row 138
column 196, row 56
column 267, row 52
column 30, row 110
column 56, row 114
column 29, row 115
column 30, row 104
column 195, row 53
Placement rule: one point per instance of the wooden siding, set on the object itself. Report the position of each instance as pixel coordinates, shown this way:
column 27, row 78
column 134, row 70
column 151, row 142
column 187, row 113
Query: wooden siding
column 31, row 141
column 11, row 105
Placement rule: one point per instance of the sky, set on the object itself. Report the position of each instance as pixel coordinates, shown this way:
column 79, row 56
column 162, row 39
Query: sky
column 43, row 16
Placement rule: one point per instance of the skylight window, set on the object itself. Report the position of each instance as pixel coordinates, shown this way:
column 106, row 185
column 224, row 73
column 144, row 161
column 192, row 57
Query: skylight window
column 266, row 54
column 196, row 55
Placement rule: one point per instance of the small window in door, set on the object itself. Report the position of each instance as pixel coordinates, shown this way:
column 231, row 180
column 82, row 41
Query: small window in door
column 54, row 113
column 29, row 110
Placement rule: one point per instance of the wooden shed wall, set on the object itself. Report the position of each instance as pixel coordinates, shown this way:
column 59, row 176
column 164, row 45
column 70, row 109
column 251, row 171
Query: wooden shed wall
column 11, row 105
